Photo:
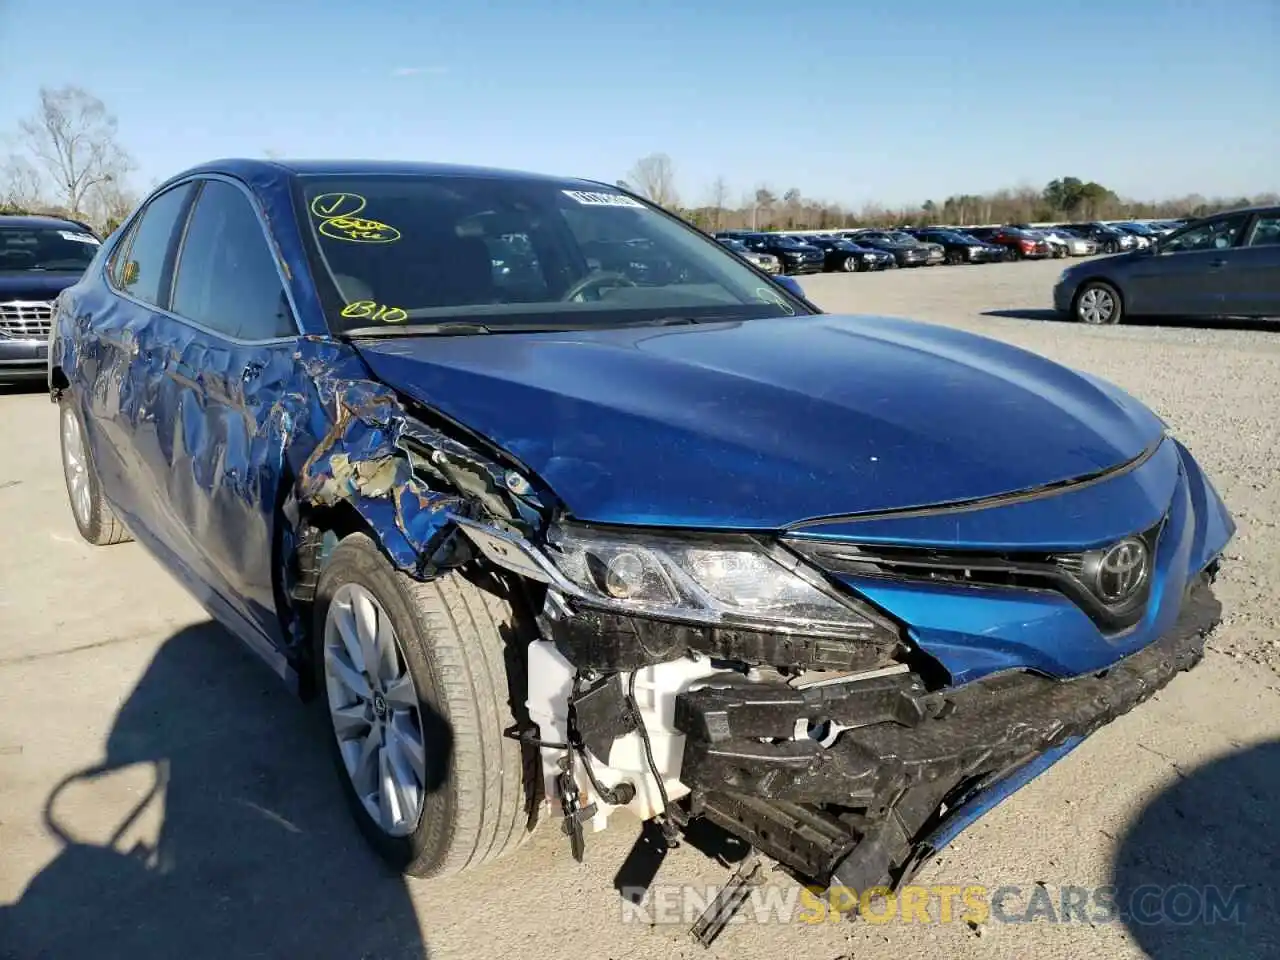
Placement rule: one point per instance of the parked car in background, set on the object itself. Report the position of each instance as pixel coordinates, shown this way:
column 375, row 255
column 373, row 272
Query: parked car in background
column 1225, row 265
column 39, row 258
column 994, row 251
column 585, row 548
column 1075, row 246
column 765, row 261
column 1142, row 236
column 794, row 256
column 1107, row 237
column 958, row 247
column 1017, row 244
column 1061, row 244
column 906, row 250
column 845, row 255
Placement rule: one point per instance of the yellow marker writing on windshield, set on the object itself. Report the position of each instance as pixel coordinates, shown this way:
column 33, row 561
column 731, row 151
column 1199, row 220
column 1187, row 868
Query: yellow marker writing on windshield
column 328, row 205
column 772, row 296
column 378, row 312
column 358, row 230
column 338, row 221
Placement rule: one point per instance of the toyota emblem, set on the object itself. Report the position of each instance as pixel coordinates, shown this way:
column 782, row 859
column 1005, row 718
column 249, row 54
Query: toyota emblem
column 1122, row 571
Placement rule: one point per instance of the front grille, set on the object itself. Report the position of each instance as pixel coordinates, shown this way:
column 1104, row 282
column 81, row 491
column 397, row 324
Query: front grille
column 1071, row 574
column 26, row 319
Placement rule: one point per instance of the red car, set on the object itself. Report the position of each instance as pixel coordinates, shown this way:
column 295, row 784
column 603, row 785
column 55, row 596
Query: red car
column 1018, row 244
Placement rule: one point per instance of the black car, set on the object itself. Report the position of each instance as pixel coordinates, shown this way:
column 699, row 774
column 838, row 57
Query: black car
column 795, row 257
column 39, row 258
column 1225, row 265
column 906, row 250
column 1107, row 237
column 847, row 256
column 960, row 247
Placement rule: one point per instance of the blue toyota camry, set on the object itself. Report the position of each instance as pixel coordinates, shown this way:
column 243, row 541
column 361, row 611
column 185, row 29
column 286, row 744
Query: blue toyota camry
column 553, row 507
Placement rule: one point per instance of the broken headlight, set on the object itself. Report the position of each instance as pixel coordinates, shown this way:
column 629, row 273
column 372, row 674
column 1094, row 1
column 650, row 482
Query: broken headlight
column 726, row 582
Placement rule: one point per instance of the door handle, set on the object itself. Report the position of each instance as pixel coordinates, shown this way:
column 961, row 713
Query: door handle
column 1217, row 264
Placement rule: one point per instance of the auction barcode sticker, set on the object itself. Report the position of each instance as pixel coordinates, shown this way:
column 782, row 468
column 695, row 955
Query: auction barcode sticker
column 602, row 199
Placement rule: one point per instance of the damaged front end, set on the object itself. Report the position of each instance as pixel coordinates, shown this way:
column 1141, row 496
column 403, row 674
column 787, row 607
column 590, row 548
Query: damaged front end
column 821, row 735
column 782, row 688
column 732, row 679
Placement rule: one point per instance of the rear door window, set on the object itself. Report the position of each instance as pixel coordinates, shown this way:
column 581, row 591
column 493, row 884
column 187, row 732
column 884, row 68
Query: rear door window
column 145, row 270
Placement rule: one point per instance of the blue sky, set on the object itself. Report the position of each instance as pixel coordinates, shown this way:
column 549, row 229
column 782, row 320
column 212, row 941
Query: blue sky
column 847, row 100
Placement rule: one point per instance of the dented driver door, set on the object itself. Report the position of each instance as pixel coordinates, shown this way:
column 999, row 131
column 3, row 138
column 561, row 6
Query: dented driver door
column 231, row 344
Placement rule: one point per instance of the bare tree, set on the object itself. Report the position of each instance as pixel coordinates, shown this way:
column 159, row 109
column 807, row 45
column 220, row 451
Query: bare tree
column 109, row 203
column 653, row 177
column 762, row 204
column 73, row 137
column 21, row 187
column 719, row 196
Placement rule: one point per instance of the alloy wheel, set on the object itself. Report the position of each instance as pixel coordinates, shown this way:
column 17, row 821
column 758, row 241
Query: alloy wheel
column 75, row 466
column 373, row 703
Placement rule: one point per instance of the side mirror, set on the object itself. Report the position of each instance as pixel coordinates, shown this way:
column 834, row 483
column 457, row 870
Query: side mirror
column 792, row 285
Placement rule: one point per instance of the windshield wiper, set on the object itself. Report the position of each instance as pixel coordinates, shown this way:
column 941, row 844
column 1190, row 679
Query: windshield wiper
column 451, row 328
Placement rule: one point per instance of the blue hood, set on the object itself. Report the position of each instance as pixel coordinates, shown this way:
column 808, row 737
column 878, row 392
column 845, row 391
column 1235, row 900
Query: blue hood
column 34, row 284
column 761, row 424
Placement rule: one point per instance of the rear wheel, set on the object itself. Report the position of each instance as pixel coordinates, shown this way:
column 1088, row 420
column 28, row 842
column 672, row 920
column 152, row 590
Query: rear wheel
column 1098, row 303
column 419, row 681
column 849, row 264
column 95, row 520
column 955, row 257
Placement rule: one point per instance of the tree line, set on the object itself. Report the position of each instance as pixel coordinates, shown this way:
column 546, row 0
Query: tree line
column 1064, row 199
column 66, row 159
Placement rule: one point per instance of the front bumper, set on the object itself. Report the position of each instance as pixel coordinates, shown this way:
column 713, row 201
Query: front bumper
column 916, row 768
column 23, row 359
column 1063, row 293
column 804, row 266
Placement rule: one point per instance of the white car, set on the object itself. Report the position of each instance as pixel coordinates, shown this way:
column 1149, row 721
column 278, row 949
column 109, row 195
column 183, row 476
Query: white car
column 1072, row 245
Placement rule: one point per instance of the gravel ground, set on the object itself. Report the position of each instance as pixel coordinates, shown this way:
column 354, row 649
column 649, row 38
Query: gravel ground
column 112, row 681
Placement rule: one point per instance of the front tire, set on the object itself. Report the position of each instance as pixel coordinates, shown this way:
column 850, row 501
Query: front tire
column 416, row 682
column 94, row 517
column 1098, row 304
column 849, row 264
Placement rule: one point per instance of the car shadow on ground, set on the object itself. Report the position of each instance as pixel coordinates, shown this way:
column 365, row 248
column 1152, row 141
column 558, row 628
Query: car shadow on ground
column 1176, row 323
column 1026, row 314
column 1195, row 874
column 256, row 855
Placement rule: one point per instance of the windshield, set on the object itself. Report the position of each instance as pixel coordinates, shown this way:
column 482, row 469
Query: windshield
column 504, row 252
column 735, row 245
column 68, row 249
column 902, row 238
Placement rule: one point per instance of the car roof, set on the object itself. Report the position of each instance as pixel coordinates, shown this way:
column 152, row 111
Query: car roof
column 255, row 169
column 39, row 220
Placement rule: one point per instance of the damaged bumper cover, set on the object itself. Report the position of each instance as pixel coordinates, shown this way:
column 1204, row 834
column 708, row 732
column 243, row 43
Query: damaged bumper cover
column 862, row 810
